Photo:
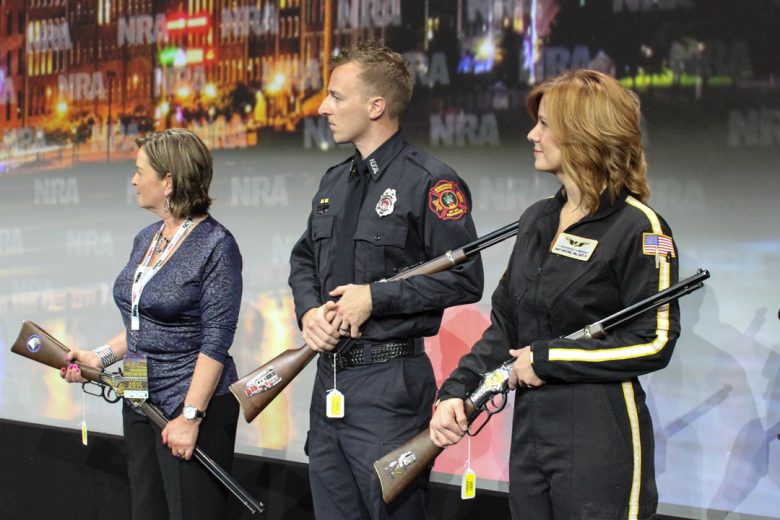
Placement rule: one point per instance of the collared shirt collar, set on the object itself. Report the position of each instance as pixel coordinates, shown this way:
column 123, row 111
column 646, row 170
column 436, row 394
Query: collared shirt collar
column 376, row 163
column 606, row 207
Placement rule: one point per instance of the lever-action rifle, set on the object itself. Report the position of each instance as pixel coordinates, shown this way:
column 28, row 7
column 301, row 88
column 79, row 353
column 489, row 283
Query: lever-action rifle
column 256, row 390
column 401, row 466
column 37, row 344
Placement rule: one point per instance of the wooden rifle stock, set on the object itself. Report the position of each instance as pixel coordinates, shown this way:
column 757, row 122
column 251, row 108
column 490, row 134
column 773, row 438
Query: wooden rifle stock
column 256, row 390
column 37, row 344
column 400, row 467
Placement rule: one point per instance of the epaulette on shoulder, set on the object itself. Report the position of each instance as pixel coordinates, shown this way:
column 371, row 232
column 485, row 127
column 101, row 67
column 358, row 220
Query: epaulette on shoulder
column 430, row 164
column 336, row 166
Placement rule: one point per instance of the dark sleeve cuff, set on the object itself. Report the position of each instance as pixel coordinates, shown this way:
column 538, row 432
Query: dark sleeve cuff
column 217, row 355
column 383, row 297
column 451, row 390
column 303, row 305
column 540, row 352
column 459, row 385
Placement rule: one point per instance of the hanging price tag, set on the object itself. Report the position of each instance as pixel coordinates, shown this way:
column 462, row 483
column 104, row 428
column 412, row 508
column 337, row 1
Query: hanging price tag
column 83, row 420
column 84, row 433
column 334, row 403
column 468, row 486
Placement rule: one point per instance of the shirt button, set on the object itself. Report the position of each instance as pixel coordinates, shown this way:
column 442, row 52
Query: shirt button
column 377, row 237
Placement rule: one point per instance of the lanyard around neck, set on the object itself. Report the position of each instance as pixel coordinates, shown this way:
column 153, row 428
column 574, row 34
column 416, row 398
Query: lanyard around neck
column 144, row 273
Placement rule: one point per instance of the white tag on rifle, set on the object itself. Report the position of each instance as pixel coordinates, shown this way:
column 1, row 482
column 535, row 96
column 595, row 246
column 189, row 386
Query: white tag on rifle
column 468, row 486
column 334, row 404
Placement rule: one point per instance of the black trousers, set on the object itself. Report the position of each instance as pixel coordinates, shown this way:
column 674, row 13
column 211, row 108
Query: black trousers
column 162, row 486
column 582, row 452
column 385, row 405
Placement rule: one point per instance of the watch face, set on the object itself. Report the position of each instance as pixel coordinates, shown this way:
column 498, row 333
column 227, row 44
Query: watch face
column 190, row 412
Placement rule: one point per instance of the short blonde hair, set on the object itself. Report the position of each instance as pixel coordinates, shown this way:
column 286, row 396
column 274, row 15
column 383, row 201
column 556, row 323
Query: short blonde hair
column 597, row 122
column 383, row 71
column 182, row 154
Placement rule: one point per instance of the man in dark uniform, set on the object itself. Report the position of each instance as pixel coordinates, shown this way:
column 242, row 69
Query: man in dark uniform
column 389, row 206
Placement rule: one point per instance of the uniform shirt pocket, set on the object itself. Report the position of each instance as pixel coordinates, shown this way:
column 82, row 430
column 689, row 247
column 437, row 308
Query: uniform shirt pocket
column 380, row 249
column 322, row 234
column 321, row 227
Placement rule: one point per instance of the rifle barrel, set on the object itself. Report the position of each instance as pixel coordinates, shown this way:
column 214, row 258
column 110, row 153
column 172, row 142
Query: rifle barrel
column 677, row 290
column 159, row 419
column 492, row 238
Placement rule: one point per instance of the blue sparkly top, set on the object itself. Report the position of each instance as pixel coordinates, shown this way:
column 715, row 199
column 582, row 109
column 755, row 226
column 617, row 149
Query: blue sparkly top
column 190, row 306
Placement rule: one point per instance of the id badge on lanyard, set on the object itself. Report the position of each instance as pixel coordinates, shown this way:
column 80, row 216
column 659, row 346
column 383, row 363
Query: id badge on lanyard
column 144, row 273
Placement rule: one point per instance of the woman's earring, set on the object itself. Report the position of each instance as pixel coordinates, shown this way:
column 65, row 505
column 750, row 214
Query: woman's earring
column 167, row 205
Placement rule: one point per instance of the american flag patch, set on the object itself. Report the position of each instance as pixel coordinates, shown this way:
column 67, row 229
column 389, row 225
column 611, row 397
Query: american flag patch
column 653, row 244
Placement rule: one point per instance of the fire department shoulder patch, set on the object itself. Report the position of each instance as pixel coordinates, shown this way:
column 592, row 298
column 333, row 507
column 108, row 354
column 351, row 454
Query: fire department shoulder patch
column 447, row 200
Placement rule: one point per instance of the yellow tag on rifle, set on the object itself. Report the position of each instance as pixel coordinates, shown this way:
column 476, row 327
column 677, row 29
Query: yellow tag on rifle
column 468, row 486
column 334, row 404
column 136, row 376
column 84, row 433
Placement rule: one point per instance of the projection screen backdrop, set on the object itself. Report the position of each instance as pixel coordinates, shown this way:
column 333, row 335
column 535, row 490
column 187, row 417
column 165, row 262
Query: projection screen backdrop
column 247, row 76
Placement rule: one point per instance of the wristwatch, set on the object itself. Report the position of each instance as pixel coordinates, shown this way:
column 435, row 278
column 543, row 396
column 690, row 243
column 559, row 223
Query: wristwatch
column 191, row 412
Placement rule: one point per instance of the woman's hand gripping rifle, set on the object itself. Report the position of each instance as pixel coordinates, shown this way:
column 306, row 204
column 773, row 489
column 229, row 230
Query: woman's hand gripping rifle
column 398, row 468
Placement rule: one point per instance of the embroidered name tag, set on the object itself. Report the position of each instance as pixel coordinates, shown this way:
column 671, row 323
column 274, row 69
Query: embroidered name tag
column 574, row 247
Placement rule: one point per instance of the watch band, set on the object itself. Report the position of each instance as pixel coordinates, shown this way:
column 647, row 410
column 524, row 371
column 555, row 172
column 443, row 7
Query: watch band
column 191, row 412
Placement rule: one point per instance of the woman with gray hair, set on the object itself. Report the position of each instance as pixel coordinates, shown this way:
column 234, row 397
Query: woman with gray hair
column 179, row 297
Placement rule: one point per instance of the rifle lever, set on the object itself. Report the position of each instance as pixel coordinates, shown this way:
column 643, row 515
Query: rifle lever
column 106, row 392
column 498, row 402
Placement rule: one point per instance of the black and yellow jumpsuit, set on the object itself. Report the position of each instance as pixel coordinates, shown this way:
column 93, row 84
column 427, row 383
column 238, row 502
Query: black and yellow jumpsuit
column 582, row 444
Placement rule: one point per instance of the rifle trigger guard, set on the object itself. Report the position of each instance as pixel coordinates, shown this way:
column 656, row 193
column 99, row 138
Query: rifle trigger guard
column 110, row 395
column 106, row 392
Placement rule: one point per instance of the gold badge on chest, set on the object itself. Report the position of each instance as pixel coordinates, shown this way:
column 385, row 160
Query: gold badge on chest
column 575, row 247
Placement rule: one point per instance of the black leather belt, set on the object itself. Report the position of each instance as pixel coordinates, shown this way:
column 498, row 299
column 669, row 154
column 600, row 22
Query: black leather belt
column 371, row 353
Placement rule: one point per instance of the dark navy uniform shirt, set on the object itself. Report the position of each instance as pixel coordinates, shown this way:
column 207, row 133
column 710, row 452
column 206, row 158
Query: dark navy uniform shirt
column 415, row 208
